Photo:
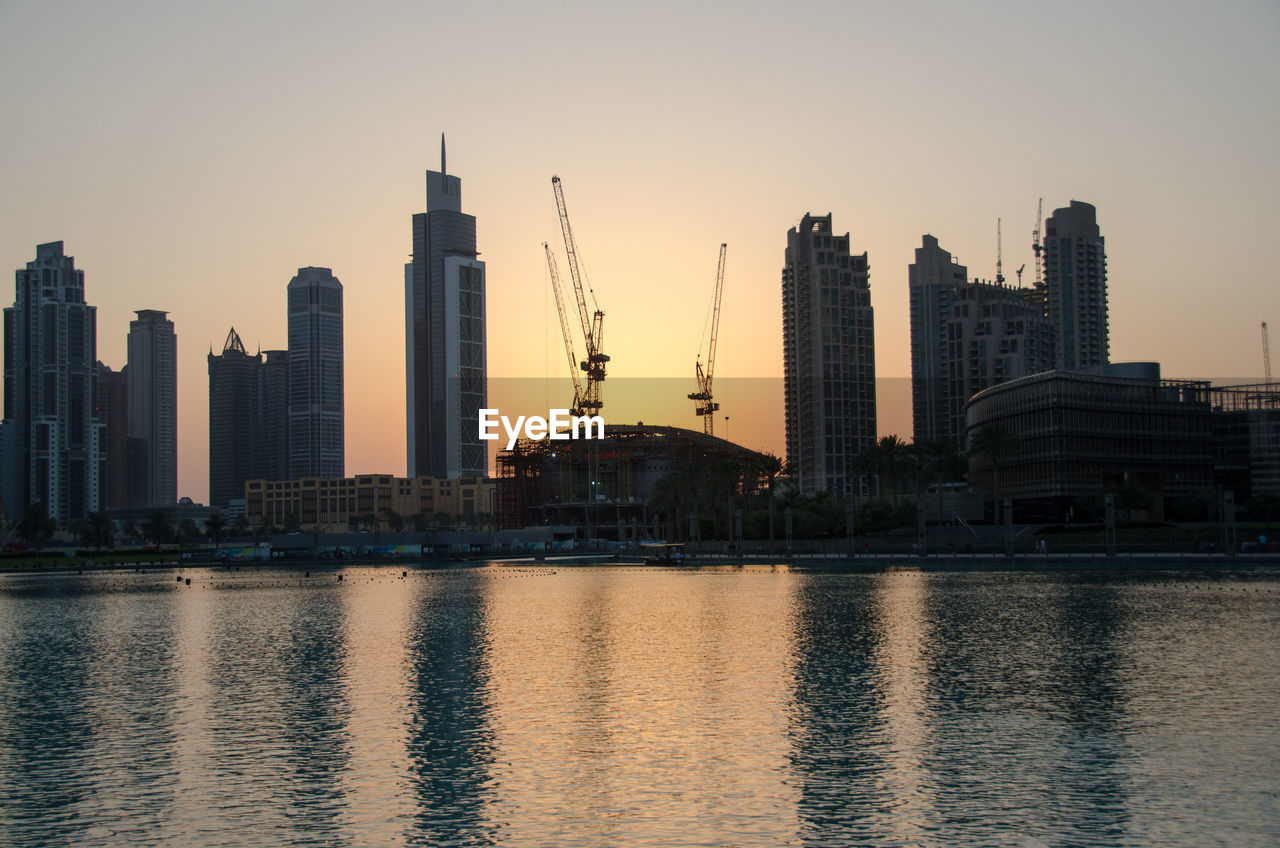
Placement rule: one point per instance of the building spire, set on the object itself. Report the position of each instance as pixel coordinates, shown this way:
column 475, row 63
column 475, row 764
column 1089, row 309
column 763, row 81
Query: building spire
column 444, row 172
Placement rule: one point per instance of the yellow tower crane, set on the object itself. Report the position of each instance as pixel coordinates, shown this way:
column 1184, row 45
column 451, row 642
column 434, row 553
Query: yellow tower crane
column 565, row 330
column 593, row 366
column 706, row 407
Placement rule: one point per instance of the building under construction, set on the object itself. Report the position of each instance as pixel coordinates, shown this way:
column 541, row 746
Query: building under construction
column 605, row 487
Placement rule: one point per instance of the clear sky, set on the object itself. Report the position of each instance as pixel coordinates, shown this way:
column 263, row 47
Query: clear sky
column 193, row 156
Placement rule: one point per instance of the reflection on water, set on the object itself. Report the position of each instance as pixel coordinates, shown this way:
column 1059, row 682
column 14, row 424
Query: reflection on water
column 838, row 712
column 1023, row 697
column 526, row 706
column 449, row 743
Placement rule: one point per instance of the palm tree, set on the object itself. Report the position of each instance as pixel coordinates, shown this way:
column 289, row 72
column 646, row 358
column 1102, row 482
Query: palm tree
column 101, row 530
column 892, row 452
column 187, row 530
column 995, row 443
column 213, row 525
column 938, row 458
column 36, row 527
column 157, row 528
column 770, row 469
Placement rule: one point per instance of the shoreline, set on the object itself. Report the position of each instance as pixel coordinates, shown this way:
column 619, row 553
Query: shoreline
column 817, row 562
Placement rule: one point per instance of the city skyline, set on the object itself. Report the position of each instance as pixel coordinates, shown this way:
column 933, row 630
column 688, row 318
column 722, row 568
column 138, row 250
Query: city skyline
column 664, row 164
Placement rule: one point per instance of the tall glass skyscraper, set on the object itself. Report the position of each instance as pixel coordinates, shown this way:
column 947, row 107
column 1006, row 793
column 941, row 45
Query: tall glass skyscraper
column 317, row 442
column 248, row 418
column 51, row 436
column 153, row 410
column 1075, row 277
column 829, row 364
column 233, row 413
column 445, row 360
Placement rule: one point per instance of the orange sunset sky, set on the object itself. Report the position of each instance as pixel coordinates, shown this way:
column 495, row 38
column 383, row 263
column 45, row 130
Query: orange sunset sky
column 193, row 156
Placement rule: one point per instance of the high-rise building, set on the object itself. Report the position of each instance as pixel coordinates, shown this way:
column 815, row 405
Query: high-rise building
column 966, row 337
column 445, row 359
column 52, row 437
column 153, row 410
column 233, row 416
column 316, row 413
column 1075, row 276
column 272, row 431
column 828, row 341
column 113, row 412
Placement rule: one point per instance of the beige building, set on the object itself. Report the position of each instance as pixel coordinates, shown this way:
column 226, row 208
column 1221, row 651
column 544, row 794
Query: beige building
column 339, row 505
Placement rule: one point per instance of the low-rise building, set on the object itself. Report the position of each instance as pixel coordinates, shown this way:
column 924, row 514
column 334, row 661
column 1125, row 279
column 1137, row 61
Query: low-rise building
column 606, row 488
column 1246, row 437
column 1078, row 435
column 367, row 502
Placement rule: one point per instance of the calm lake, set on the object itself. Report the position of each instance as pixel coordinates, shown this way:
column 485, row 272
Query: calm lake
column 520, row 705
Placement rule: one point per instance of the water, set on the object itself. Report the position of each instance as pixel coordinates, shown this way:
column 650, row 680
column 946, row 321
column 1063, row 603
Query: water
column 518, row 705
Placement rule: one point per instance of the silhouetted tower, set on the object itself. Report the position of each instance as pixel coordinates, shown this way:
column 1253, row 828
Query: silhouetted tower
column 1075, row 277
column 828, row 347
column 446, row 365
column 51, row 437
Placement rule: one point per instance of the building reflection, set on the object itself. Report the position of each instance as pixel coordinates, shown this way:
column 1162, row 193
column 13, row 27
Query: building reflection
column 448, row 736
column 263, row 710
column 900, row 657
column 838, row 726
column 376, row 620
column 634, row 706
column 81, row 683
column 310, row 659
column 1023, row 683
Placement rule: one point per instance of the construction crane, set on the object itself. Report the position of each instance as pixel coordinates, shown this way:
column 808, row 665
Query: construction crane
column 706, row 407
column 1035, row 240
column 1019, row 273
column 565, row 330
column 1266, row 354
column 1038, row 294
column 999, row 257
column 588, row 400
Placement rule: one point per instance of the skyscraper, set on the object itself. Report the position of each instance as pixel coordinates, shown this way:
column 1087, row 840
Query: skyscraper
column 828, row 341
column 272, row 429
column 52, row 438
column 316, row 412
column 1075, row 275
column 445, row 355
column 113, row 413
column 153, row 410
column 233, row 416
column 965, row 337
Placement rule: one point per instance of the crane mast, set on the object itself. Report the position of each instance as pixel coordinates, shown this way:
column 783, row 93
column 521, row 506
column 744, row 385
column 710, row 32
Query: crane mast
column 999, row 257
column 706, row 407
column 1266, row 354
column 592, row 325
column 565, row 330
column 1035, row 240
